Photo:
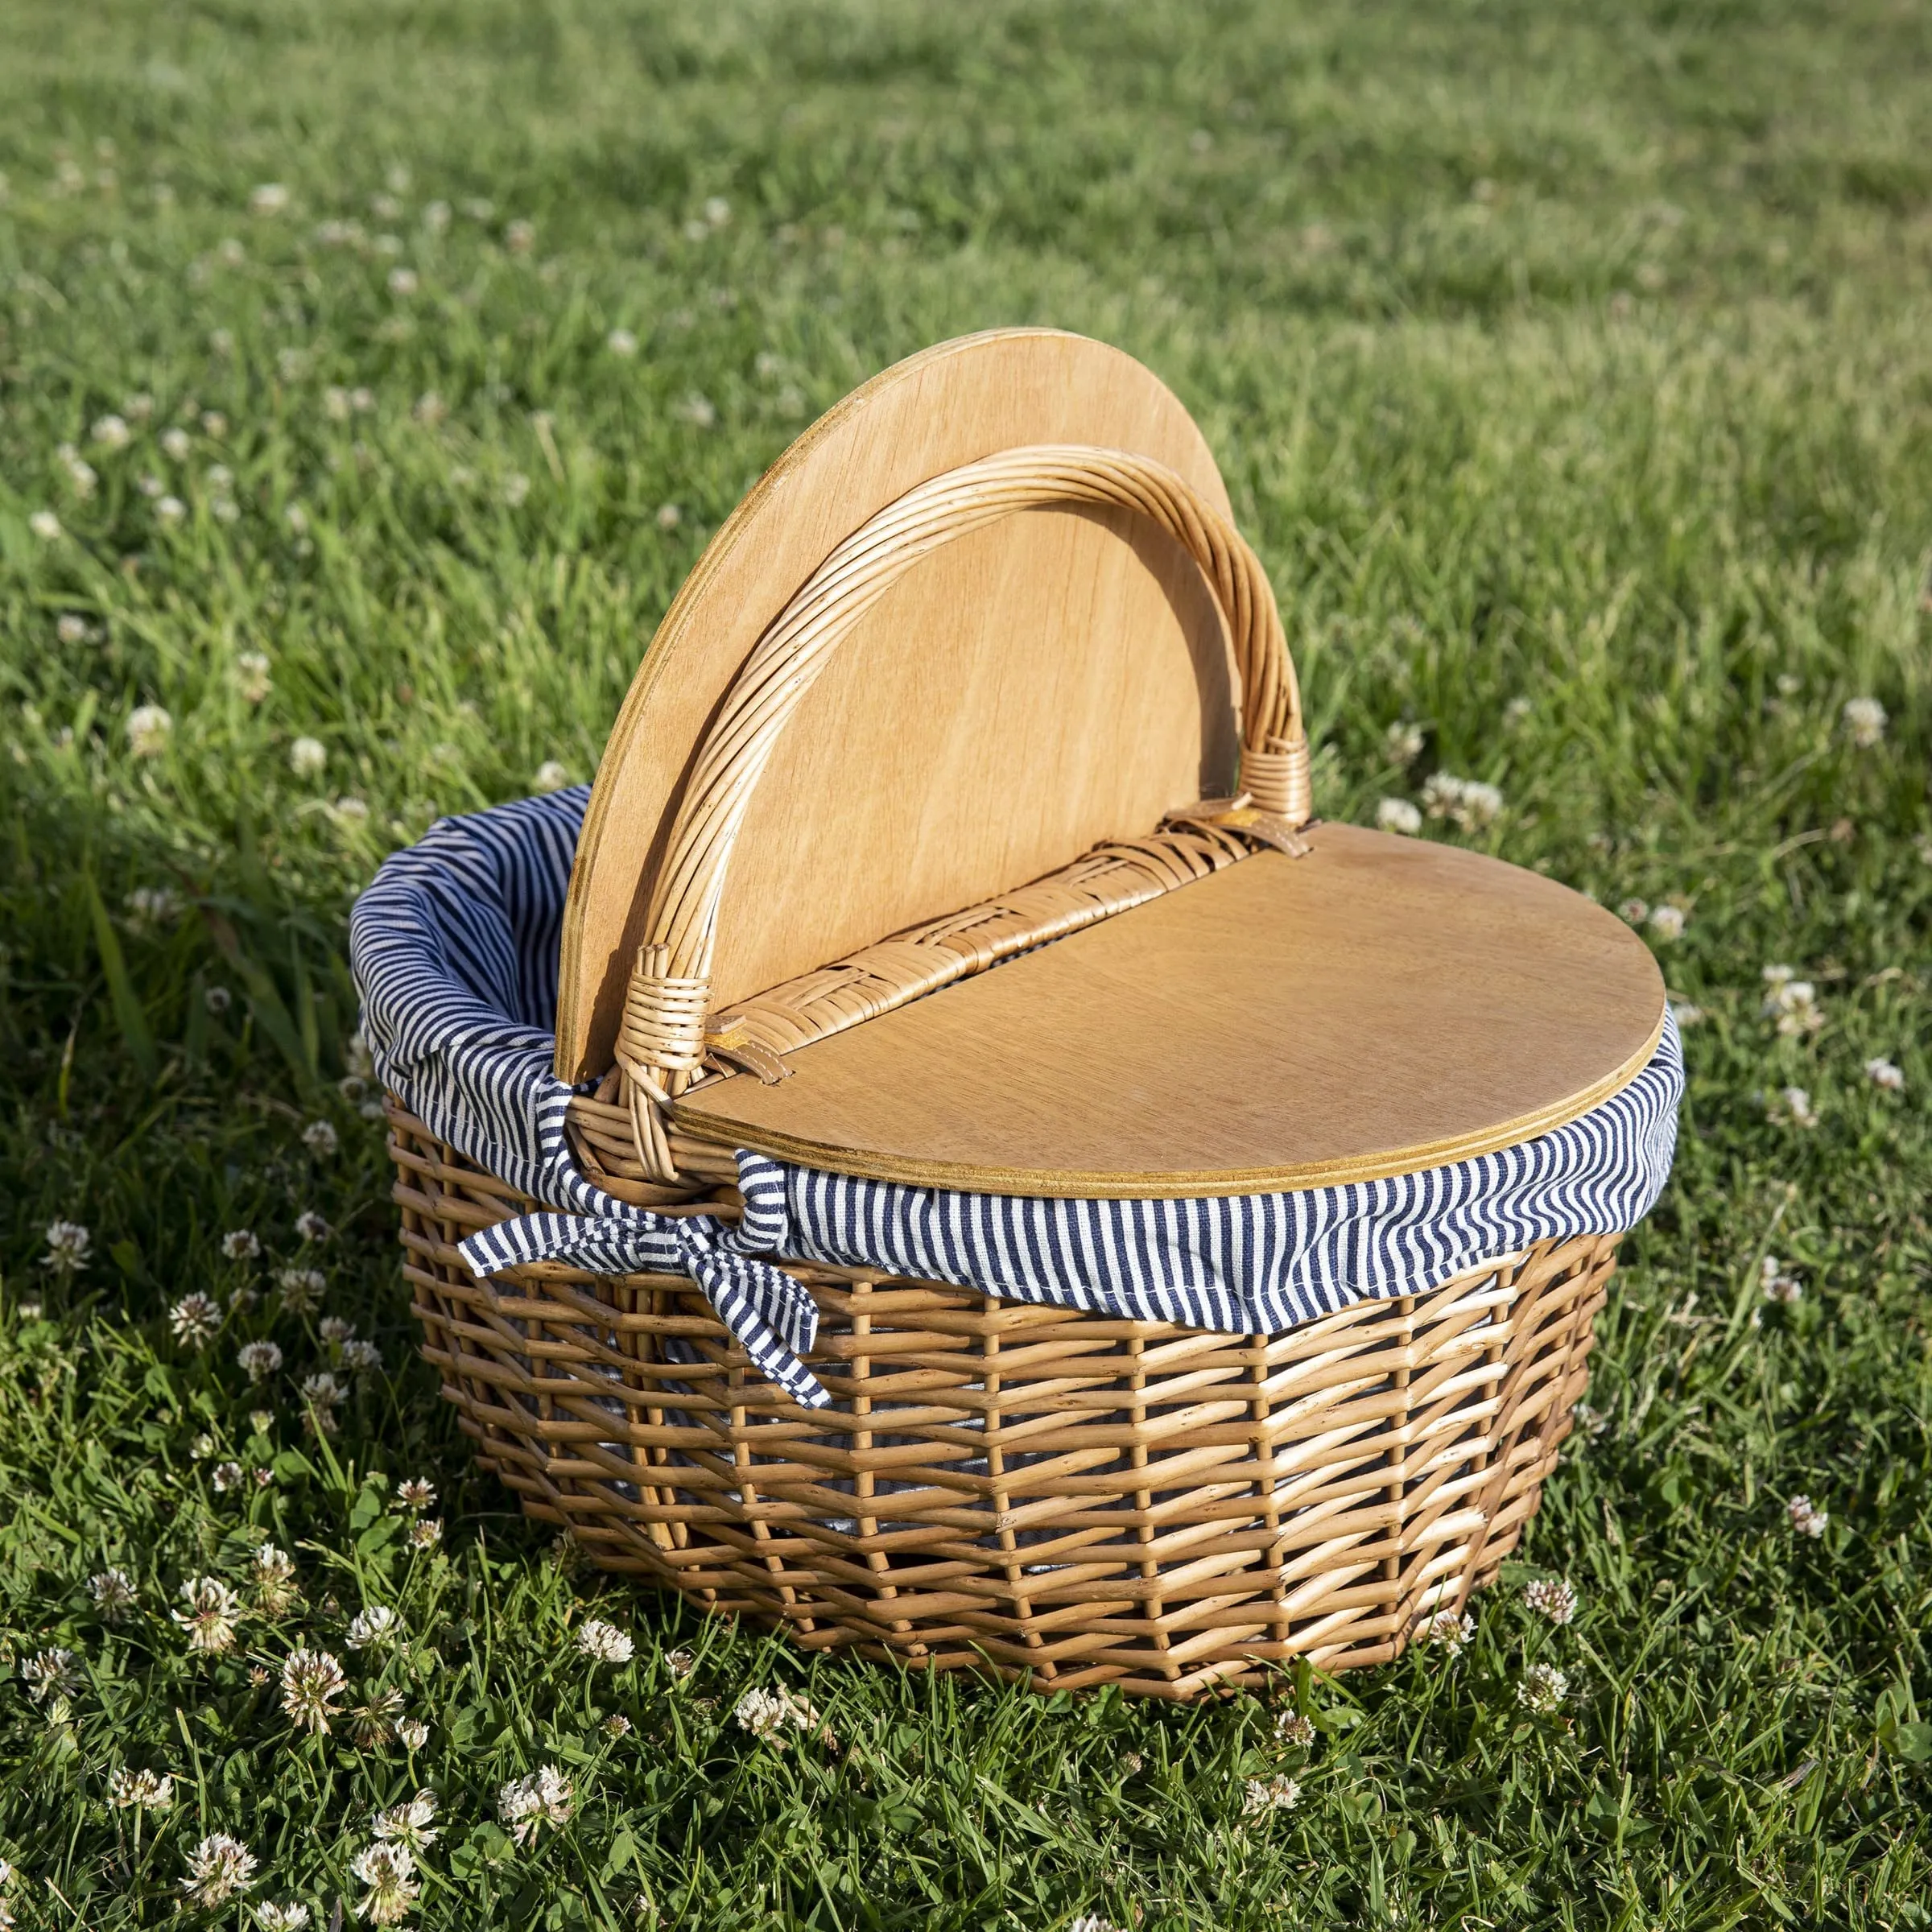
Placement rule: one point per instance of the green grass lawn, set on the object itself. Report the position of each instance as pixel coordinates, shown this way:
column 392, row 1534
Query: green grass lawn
column 1571, row 370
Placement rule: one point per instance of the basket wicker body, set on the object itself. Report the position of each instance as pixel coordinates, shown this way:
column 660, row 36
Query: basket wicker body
column 1047, row 1493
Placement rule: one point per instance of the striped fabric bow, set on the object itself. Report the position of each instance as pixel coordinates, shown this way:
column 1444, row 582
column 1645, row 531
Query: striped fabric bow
column 772, row 1316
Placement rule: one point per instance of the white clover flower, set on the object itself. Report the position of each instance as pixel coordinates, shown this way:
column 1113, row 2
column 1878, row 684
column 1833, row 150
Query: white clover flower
column 319, row 1138
column 1792, row 1003
column 300, row 1289
column 291, row 1917
column 170, row 510
column 112, row 433
column 669, row 516
column 273, row 1572
column 140, row 1790
column 321, row 1395
column 307, row 757
column 1807, row 1519
column 1686, row 1014
column 1294, row 1730
column 49, row 1673
column 416, row 1493
column 219, row 1868
column 259, row 1360
column 1261, row 1795
column 212, row 1611
column 364, row 1358
column 217, row 999
column 551, row 776
column 175, row 443
column 425, row 1533
column 680, row 1663
column 1542, row 1690
column 1398, row 816
column 195, row 1318
column 45, row 524
column 113, row 1593
column 312, row 1227
column 1402, row 743
column 516, row 487
column 617, row 1725
column 70, row 629
column 334, row 1330
column 375, row 1720
column 1633, row 911
column 1471, row 803
column 413, row 1733
column 542, row 1798
column 311, row 1681
column 226, row 1477
column 621, row 342
column 80, row 473
column 697, row 410
column 148, row 906
column 1551, row 1597
column 1482, row 804
column 377, row 1624
column 268, row 198
column 1453, row 1632
column 221, row 342
column 767, row 1713
column 1790, row 1107
column 1882, row 1072
column 29, row 1311
column 1778, row 1284
column 520, row 236
column 1667, row 921
column 1865, row 721
column 241, row 1245
column 261, row 1420
column 67, row 1245
column 604, row 1643
column 402, row 281
column 149, row 727
column 717, row 211
column 411, row 1822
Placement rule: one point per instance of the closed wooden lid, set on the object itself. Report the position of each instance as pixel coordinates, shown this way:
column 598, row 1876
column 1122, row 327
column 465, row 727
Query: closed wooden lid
column 1381, row 1005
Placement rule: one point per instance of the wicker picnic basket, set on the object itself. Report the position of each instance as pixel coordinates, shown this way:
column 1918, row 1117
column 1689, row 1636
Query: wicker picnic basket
column 986, row 638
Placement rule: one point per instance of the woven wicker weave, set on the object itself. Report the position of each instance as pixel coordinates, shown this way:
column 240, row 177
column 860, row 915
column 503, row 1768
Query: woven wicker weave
column 1028, row 1489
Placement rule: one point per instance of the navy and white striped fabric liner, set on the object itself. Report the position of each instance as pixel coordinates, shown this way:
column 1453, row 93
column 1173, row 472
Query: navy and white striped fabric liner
column 455, row 948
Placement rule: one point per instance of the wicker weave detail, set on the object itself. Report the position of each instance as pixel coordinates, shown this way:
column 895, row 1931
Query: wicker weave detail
column 1073, row 1499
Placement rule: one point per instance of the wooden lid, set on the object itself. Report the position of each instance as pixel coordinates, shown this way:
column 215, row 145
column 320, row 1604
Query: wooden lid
column 1058, row 678
column 1381, row 1005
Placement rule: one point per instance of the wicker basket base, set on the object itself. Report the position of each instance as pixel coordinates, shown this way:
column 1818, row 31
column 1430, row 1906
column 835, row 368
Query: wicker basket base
column 1043, row 1493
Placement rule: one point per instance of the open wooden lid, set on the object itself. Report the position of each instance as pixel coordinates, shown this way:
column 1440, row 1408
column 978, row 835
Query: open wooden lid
column 1059, row 677
column 1383, row 1006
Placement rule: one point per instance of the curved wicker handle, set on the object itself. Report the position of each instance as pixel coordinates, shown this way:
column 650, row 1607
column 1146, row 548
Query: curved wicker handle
column 662, row 1044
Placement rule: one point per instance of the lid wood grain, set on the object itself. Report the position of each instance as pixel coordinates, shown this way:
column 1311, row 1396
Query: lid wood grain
column 1381, row 1005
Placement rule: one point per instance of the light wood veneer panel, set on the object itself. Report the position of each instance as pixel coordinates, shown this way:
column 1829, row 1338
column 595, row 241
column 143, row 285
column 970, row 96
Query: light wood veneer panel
column 1381, row 1005
column 1020, row 694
